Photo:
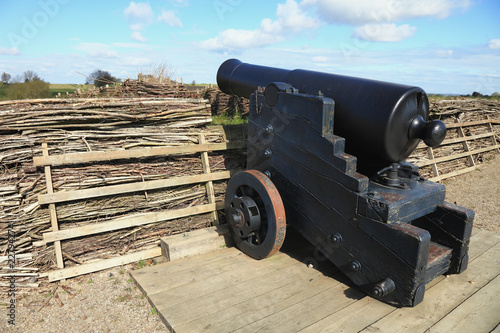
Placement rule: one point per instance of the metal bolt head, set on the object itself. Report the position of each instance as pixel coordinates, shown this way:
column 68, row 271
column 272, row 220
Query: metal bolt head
column 378, row 291
column 355, row 266
column 268, row 153
column 269, row 128
column 336, row 239
column 267, row 173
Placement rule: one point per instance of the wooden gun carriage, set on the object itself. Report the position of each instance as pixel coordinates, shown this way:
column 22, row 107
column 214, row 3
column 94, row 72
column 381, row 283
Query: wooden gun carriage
column 326, row 155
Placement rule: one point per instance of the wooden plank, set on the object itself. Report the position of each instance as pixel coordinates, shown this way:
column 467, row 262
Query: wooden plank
column 453, row 157
column 319, row 307
column 209, row 186
column 87, row 157
column 195, row 242
column 129, row 188
column 479, row 313
column 435, row 170
column 126, row 222
column 282, row 283
column 352, row 318
column 18, row 274
column 292, row 283
column 149, row 281
column 212, row 294
column 52, row 209
column 184, row 282
column 21, row 256
column 258, row 295
column 453, row 173
column 460, row 139
column 465, row 145
column 470, row 123
column 493, row 139
column 103, row 264
column 20, row 285
column 443, row 297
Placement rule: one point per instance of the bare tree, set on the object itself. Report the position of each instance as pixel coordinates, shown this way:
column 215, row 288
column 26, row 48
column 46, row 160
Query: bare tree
column 30, row 76
column 6, row 77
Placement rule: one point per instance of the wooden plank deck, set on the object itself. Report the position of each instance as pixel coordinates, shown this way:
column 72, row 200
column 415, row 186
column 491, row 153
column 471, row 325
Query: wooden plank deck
column 226, row 291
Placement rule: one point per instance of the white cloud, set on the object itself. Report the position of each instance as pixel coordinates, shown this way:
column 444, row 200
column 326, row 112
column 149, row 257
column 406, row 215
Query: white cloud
column 97, row 50
column 321, row 59
column 136, row 61
column 361, row 12
column 180, row 3
column 139, row 15
column 133, row 46
column 494, row 44
column 444, row 53
column 136, row 35
column 168, row 17
column 9, row 51
column 234, row 39
column 289, row 19
column 384, row 32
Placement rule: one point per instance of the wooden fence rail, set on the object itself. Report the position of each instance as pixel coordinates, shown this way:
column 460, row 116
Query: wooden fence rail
column 52, row 198
column 468, row 151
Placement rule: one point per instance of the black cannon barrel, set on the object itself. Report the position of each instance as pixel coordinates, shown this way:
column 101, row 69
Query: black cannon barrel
column 382, row 122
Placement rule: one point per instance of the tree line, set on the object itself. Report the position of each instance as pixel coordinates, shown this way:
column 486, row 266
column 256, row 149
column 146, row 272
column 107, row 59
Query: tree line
column 31, row 85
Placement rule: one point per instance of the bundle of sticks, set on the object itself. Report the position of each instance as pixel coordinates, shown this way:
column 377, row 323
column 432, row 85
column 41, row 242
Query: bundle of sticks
column 141, row 88
column 226, row 104
column 461, row 111
column 82, row 125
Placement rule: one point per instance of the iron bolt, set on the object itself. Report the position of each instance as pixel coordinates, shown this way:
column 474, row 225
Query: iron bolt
column 269, row 128
column 336, row 239
column 378, row 291
column 268, row 153
column 355, row 266
column 267, row 173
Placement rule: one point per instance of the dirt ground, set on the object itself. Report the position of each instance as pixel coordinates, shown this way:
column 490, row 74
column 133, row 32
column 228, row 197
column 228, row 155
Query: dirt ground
column 109, row 301
column 480, row 191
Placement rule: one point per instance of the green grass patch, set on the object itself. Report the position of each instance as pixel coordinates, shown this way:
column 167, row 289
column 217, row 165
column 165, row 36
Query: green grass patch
column 2, row 90
column 237, row 119
column 67, row 88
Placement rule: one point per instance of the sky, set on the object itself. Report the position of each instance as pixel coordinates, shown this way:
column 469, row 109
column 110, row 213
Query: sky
column 443, row 46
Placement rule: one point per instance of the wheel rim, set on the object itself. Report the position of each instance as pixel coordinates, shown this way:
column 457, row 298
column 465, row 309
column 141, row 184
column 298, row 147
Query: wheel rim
column 255, row 214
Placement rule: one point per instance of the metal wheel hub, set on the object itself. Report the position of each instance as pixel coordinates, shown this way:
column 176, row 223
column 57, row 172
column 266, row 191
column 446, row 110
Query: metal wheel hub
column 245, row 216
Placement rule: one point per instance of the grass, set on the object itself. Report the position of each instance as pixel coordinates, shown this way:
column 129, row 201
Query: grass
column 237, row 119
column 69, row 88
column 3, row 94
column 54, row 89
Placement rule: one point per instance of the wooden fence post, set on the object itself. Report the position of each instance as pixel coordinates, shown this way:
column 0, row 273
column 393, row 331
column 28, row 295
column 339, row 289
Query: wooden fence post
column 52, row 208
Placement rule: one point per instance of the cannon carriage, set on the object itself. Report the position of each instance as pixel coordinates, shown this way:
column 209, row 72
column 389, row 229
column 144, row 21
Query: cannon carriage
column 326, row 156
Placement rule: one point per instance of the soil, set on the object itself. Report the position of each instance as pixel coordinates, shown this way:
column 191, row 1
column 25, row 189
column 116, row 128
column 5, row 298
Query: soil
column 479, row 190
column 109, row 301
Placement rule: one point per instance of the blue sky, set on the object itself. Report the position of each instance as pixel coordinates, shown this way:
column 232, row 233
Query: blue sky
column 443, row 46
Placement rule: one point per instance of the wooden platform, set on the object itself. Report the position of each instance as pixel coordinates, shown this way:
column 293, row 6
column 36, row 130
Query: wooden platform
column 226, row 291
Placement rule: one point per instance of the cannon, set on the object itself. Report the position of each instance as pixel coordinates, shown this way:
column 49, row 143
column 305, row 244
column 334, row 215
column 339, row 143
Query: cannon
column 326, row 155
